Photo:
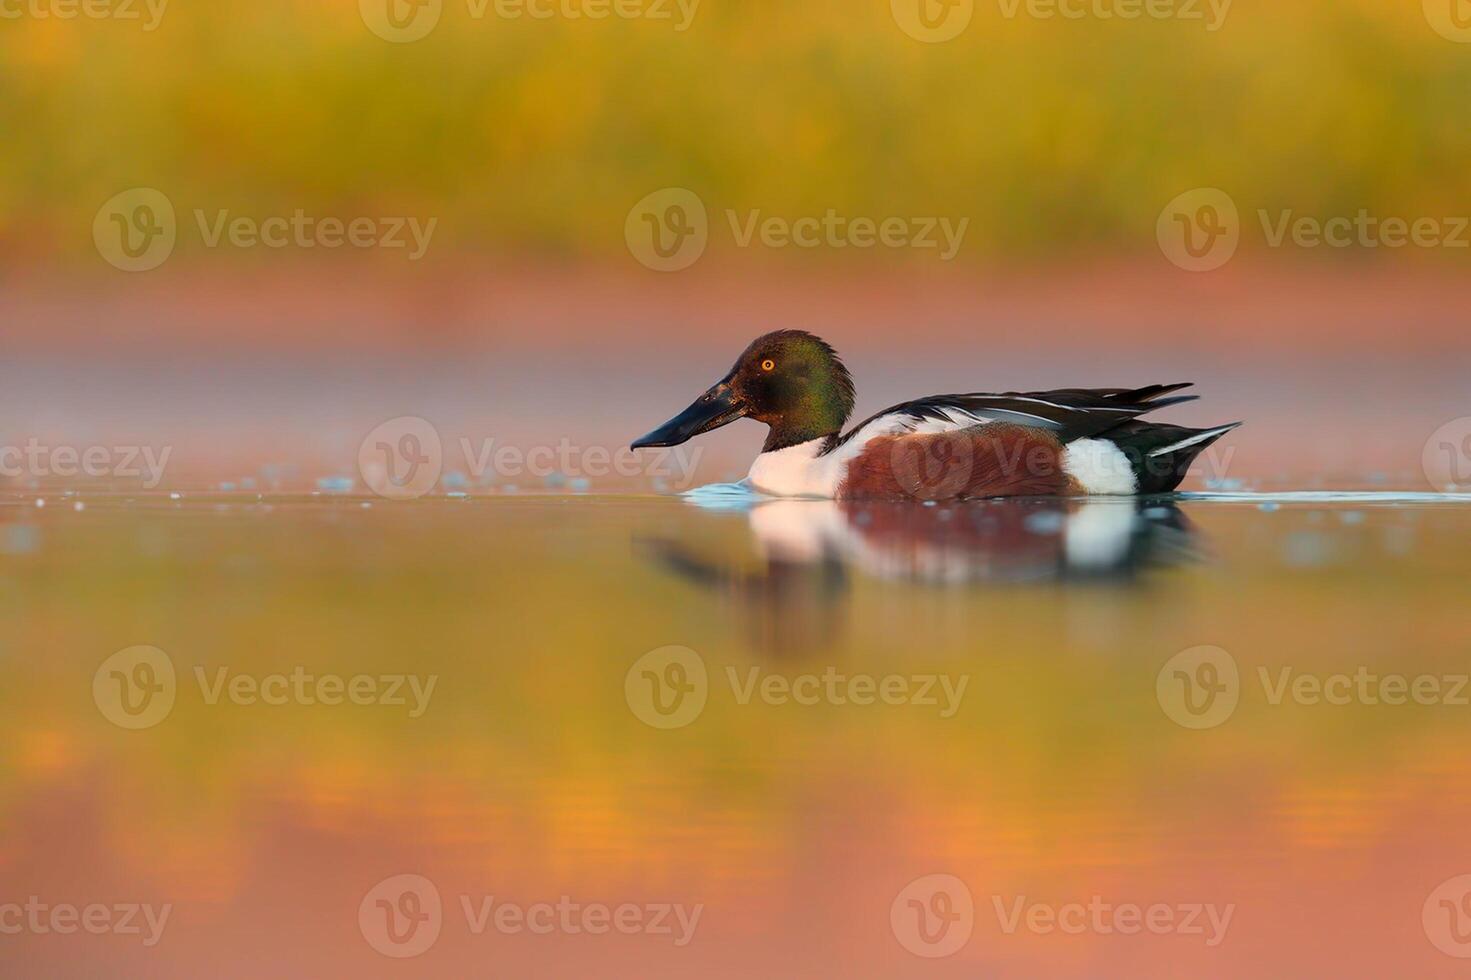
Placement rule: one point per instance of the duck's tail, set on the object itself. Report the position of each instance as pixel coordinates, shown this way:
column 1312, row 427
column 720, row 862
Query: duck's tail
column 1161, row 454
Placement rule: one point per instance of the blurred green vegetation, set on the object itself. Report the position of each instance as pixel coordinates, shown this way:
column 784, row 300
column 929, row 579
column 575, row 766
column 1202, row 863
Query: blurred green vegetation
column 1055, row 137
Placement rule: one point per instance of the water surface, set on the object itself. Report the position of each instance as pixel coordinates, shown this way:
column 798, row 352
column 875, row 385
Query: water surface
column 1057, row 731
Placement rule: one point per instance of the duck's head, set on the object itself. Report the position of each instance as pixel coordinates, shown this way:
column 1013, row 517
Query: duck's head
column 789, row 379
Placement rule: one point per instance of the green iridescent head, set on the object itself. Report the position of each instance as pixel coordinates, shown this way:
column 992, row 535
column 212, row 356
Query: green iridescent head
column 789, row 379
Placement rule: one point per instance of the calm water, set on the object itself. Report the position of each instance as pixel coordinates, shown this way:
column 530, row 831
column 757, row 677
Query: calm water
column 648, row 736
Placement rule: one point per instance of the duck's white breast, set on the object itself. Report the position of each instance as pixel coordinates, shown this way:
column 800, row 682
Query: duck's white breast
column 798, row 471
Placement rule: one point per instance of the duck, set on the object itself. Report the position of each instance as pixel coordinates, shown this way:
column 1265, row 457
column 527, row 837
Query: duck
column 1065, row 442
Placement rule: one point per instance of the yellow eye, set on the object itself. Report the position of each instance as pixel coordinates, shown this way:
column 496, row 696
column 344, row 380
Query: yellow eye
column 768, row 364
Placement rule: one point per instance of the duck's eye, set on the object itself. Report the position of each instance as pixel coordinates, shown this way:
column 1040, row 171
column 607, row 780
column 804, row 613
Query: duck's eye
column 768, row 364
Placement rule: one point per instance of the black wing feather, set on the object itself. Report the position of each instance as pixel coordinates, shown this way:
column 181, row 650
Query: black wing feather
column 1070, row 413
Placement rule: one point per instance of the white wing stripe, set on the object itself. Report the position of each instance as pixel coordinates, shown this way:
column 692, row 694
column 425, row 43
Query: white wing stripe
column 1198, row 437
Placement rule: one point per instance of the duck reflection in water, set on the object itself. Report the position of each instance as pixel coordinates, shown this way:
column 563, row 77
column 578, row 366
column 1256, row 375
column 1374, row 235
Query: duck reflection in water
column 808, row 549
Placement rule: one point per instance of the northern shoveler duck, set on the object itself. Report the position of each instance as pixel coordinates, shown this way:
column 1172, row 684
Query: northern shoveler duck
column 1065, row 442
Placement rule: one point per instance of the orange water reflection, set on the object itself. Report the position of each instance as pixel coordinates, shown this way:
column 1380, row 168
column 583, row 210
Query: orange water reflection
column 793, row 826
